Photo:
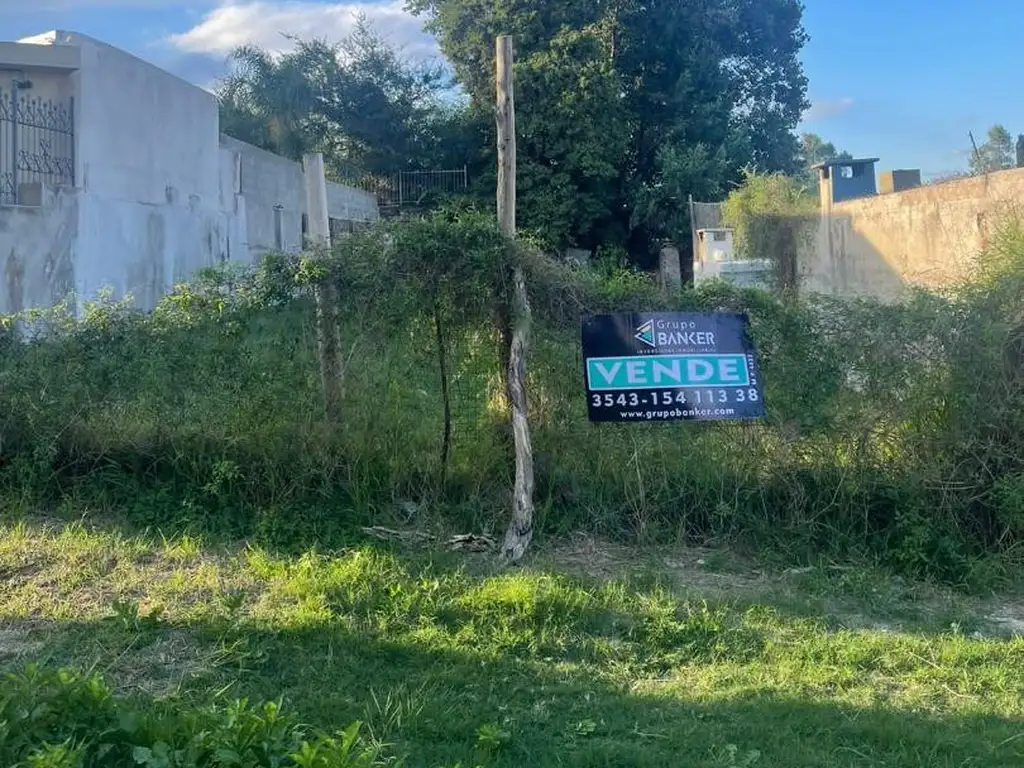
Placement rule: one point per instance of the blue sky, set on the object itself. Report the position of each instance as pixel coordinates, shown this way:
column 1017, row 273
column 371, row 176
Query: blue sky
column 903, row 80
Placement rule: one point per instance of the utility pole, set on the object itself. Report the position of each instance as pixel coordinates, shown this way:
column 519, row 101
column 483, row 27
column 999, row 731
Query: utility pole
column 328, row 332
column 977, row 154
column 520, row 530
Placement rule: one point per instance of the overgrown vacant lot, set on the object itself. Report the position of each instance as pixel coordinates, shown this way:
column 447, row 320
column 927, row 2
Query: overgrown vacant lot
column 450, row 661
column 893, row 439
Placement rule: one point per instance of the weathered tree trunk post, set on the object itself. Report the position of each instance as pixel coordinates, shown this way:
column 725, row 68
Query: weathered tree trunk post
column 520, row 530
column 332, row 366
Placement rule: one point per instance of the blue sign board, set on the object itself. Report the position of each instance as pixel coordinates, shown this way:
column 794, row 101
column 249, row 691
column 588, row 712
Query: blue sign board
column 671, row 366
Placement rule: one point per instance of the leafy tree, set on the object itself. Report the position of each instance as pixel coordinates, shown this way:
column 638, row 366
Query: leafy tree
column 996, row 154
column 357, row 101
column 625, row 106
column 697, row 170
column 814, row 150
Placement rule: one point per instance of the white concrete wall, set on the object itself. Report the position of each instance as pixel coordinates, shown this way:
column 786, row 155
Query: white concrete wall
column 143, row 130
column 350, row 204
column 267, row 181
column 150, row 206
column 37, row 253
column 58, row 86
column 146, row 249
column 159, row 192
column 740, row 272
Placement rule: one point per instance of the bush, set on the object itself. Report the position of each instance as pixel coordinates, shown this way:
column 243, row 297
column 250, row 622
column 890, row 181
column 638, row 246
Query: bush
column 894, row 432
column 773, row 218
column 61, row 719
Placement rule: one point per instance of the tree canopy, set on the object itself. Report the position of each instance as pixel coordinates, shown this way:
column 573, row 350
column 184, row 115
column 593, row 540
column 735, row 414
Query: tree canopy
column 623, row 107
column 357, row 101
column 996, row 154
column 626, row 106
column 814, row 150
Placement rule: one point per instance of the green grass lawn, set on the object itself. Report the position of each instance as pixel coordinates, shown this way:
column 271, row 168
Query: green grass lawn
column 656, row 662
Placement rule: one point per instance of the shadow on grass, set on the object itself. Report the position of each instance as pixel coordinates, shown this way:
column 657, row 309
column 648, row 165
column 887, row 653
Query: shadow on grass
column 439, row 706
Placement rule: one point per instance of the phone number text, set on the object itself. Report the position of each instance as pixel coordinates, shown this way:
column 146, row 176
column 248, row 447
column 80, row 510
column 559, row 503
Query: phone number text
column 674, row 397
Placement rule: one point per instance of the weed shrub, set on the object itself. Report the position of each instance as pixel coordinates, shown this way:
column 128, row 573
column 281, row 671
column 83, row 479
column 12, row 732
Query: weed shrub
column 772, row 216
column 894, row 432
column 60, row 719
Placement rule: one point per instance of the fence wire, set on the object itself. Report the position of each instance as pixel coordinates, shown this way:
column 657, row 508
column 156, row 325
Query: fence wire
column 411, row 188
column 707, row 216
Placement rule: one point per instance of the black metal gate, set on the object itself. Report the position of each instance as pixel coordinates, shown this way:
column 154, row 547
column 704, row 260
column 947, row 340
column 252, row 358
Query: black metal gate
column 37, row 142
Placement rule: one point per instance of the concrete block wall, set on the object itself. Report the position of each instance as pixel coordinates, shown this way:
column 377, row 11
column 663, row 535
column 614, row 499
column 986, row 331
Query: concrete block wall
column 350, row 204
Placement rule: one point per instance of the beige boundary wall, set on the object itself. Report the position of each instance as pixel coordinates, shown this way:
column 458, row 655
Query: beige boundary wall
column 930, row 236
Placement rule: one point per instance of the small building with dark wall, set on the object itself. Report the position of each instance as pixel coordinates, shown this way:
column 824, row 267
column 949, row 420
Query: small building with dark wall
column 846, row 179
column 898, row 181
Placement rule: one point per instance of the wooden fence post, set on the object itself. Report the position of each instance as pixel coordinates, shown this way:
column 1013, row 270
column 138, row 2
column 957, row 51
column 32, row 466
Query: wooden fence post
column 332, row 365
column 520, row 530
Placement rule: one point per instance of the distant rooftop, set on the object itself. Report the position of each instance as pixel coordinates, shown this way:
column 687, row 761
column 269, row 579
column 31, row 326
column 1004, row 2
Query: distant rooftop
column 849, row 161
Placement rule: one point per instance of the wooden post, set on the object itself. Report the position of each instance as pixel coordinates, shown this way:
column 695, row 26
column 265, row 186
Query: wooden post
column 506, row 115
column 332, row 366
column 520, row 529
column 689, row 274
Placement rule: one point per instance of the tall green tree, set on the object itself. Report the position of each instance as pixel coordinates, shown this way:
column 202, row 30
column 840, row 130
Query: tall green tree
column 357, row 101
column 996, row 154
column 814, row 150
column 624, row 106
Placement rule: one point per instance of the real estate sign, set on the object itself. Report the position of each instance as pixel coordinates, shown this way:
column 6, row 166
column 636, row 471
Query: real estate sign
column 671, row 366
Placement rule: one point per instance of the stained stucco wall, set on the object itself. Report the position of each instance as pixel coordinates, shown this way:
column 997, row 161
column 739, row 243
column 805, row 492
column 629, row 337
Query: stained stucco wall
column 266, row 180
column 930, row 236
column 150, row 209
column 350, row 204
column 37, row 251
column 147, row 249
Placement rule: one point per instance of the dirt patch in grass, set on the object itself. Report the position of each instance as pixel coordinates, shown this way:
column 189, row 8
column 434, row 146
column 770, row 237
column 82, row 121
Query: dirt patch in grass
column 693, row 566
column 16, row 643
column 849, row 597
column 1007, row 619
column 12, row 576
column 159, row 666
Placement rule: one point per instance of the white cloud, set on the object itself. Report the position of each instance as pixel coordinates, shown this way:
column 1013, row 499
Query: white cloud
column 240, row 22
column 820, row 110
column 65, row 5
